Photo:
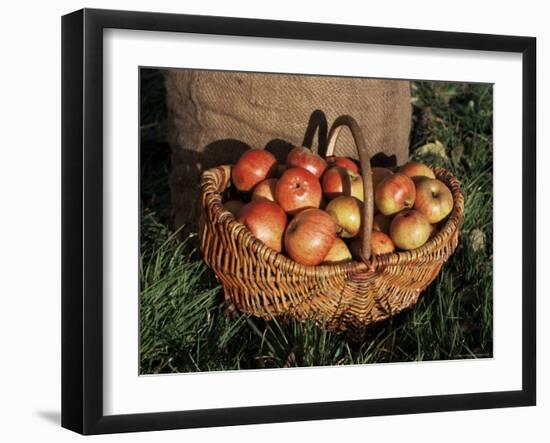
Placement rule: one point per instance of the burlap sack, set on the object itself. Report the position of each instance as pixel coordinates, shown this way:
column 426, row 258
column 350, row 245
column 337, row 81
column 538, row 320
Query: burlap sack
column 215, row 116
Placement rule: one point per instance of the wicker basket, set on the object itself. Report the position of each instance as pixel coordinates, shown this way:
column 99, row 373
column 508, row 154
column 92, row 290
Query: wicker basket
column 261, row 282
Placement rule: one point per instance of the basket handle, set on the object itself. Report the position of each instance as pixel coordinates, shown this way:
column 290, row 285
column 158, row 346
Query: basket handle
column 366, row 171
column 317, row 124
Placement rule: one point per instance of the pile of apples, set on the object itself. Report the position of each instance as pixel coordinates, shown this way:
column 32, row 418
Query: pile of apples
column 310, row 208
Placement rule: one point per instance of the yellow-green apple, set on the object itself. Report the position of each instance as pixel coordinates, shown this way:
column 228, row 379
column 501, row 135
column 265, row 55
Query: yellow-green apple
column 265, row 190
column 433, row 199
column 394, row 193
column 266, row 221
column 254, row 166
column 379, row 174
column 309, row 236
column 341, row 181
column 416, row 169
column 381, row 223
column 409, row 229
column 344, row 162
column 302, row 157
column 298, row 189
column 381, row 243
column 233, row 206
column 338, row 253
column 346, row 213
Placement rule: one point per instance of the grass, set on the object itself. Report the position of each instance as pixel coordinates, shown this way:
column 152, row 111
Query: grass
column 182, row 322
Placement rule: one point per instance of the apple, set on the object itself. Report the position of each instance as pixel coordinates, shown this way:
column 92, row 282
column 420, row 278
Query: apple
column 346, row 213
column 433, row 199
column 254, row 166
column 338, row 253
column 416, row 169
column 381, row 223
column 344, row 162
column 381, row 243
column 233, row 206
column 298, row 189
column 379, row 174
column 338, row 181
column 266, row 221
column 410, row 229
column 301, row 157
column 394, row 193
column 309, row 236
column 265, row 190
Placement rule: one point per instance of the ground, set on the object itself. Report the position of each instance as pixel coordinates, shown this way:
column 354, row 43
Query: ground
column 182, row 324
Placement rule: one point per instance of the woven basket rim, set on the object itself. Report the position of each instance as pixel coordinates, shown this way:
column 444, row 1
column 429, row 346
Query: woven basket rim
column 443, row 236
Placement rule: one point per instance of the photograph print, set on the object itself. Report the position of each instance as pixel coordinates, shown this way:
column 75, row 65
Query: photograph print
column 291, row 220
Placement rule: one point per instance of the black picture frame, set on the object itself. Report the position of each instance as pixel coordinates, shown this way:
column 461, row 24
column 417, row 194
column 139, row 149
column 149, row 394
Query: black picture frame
column 82, row 218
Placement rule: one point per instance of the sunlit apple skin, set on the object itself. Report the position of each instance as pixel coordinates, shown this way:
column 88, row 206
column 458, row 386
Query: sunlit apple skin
column 344, row 162
column 298, row 189
column 338, row 253
column 381, row 223
column 309, row 237
column 265, row 190
column 409, row 229
column 254, row 166
column 433, row 199
column 233, row 206
column 379, row 174
column 266, row 221
column 381, row 243
column 301, row 157
column 346, row 213
column 394, row 193
column 416, row 169
column 339, row 181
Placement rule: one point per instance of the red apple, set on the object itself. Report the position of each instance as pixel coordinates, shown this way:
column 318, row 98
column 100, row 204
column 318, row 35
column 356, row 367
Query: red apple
column 301, row 157
column 266, row 221
column 309, row 236
column 298, row 189
column 379, row 174
column 381, row 243
column 233, row 206
column 346, row 213
column 339, row 252
column 416, row 169
column 433, row 199
column 409, row 229
column 265, row 190
column 394, row 193
column 381, row 223
column 341, row 181
column 254, row 166
column 344, row 162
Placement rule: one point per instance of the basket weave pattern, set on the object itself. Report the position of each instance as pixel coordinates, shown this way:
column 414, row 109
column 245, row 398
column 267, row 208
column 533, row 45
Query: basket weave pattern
column 261, row 282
